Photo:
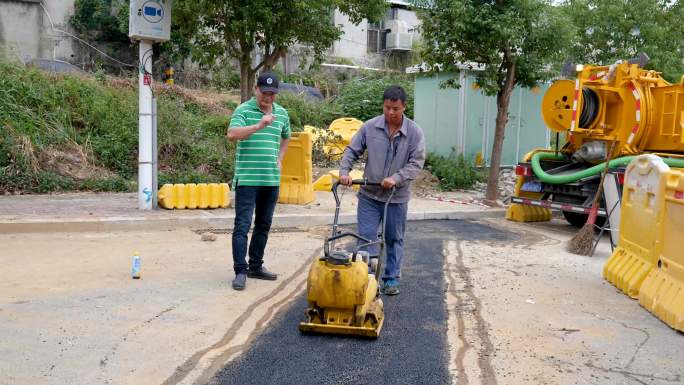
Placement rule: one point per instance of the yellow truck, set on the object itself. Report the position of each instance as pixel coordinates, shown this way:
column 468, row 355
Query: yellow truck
column 622, row 107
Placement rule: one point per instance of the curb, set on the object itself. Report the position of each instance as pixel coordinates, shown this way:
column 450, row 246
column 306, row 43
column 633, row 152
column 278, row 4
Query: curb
column 204, row 222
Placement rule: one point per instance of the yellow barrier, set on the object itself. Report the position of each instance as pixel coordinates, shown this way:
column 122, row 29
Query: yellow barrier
column 345, row 128
column 524, row 213
column 296, row 177
column 640, row 225
column 338, row 136
column 662, row 292
column 194, row 196
column 325, row 182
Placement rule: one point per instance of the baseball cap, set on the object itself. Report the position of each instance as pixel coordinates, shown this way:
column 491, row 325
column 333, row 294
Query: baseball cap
column 268, row 82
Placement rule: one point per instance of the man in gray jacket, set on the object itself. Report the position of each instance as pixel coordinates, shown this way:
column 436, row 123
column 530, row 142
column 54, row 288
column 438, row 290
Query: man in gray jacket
column 396, row 154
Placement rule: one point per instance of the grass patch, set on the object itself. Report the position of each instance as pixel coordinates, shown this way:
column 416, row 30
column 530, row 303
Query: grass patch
column 94, row 124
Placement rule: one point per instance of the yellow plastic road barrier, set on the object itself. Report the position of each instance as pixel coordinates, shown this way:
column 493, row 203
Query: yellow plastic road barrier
column 662, row 292
column 325, row 182
column 640, row 225
column 194, row 196
column 338, row 135
column 296, row 177
column 525, row 213
column 345, row 128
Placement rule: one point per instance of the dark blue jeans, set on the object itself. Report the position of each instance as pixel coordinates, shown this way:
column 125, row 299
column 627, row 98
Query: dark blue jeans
column 259, row 201
column 368, row 216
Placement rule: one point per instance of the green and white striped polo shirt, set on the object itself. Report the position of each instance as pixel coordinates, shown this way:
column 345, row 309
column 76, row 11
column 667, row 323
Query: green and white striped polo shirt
column 256, row 158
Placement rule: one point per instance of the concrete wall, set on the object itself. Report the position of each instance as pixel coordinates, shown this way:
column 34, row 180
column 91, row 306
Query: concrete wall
column 26, row 33
column 353, row 44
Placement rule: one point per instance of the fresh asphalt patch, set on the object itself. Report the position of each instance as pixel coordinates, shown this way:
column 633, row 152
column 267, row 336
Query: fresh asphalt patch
column 412, row 347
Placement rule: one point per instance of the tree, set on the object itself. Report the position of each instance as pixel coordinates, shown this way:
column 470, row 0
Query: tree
column 611, row 30
column 508, row 42
column 96, row 20
column 238, row 28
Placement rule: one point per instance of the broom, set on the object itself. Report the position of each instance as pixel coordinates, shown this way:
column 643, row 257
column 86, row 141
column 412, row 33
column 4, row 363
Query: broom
column 582, row 243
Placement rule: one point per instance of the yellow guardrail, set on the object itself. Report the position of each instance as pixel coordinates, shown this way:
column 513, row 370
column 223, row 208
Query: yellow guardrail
column 662, row 292
column 194, row 196
column 640, row 225
column 296, row 176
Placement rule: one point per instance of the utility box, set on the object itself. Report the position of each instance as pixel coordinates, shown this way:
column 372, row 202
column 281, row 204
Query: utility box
column 150, row 20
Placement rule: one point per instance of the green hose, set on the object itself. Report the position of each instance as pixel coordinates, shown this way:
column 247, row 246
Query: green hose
column 595, row 170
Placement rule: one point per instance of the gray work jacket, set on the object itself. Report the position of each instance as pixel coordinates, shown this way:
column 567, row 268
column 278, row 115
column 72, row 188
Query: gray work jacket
column 402, row 158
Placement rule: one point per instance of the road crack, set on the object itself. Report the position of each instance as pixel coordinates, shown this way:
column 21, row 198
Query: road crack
column 112, row 352
column 468, row 302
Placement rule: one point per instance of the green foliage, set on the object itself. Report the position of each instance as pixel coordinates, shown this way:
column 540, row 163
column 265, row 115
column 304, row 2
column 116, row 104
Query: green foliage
column 308, row 112
column 511, row 43
column 362, row 98
column 328, row 84
column 524, row 36
column 39, row 112
column 454, row 172
column 235, row 29
column 224, row 78
column 98, row 20
column 608, row 31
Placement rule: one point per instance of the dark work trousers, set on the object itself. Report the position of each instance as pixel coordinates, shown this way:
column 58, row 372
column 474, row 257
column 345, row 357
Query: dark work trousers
column 259, row 201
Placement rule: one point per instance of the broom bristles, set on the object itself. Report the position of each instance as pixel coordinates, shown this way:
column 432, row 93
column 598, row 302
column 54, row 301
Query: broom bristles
column 583, row 241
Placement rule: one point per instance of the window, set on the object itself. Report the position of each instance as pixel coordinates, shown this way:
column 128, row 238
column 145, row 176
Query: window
column 375, row 37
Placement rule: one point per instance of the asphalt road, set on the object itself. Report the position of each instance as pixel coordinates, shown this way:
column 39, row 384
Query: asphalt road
column 412, row 348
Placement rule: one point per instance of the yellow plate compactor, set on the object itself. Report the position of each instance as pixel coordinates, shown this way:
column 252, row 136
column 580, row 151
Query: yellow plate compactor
column 342, row 288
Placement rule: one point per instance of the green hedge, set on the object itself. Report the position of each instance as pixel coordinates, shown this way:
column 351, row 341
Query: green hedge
column 454, row 171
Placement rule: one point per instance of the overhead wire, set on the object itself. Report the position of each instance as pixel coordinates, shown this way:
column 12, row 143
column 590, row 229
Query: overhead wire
column 52, row 25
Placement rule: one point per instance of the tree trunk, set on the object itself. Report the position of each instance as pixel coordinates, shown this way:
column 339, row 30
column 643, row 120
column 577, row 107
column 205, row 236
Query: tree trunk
column 246, row 81
column 503, row 99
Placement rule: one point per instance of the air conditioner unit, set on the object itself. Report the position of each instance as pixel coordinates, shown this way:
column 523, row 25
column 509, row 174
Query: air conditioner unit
column 399, row 41
column 398, row 36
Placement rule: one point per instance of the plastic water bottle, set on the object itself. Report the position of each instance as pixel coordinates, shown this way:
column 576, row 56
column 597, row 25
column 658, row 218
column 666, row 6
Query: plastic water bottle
column 135, row 271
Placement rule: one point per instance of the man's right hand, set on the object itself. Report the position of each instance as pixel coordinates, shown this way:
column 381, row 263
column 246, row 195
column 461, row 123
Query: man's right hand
column 346, row 180
column 266, row 120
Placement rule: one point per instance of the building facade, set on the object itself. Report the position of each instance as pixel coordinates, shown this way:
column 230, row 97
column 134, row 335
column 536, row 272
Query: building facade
column 371, row 44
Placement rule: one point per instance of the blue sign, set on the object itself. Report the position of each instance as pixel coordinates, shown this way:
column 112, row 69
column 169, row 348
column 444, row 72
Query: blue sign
column 153, row 12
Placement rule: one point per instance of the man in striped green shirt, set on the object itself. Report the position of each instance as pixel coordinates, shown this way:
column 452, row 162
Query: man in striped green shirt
column 262, row 131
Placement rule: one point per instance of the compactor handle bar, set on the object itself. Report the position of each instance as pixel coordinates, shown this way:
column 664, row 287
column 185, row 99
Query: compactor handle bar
column 361, row 182
column 335, row 235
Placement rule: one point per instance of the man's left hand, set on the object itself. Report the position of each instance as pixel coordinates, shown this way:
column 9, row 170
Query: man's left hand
column 388, row 183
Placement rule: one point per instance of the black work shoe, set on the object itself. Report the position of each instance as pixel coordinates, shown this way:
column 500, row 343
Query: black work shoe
column 240, row 281
column 262, row 273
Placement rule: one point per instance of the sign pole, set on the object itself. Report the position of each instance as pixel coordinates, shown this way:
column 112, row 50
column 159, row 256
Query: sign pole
column 146, row 192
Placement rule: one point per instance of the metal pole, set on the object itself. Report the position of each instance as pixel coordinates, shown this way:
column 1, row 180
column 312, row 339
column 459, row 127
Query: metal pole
column 145, row 127
column 155, row 154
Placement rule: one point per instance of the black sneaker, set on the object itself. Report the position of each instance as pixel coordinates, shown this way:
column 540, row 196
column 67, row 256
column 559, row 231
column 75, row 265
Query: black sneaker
column 262, row 273
column 240, row 281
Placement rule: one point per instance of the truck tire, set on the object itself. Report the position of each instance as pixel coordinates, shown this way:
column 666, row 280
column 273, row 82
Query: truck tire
column 578, row 220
